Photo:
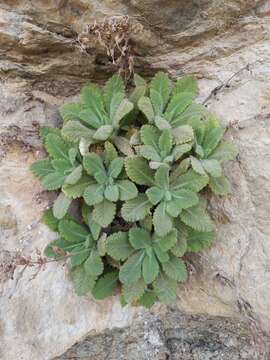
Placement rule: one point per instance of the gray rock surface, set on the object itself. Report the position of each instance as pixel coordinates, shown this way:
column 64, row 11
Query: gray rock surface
column 226, row 45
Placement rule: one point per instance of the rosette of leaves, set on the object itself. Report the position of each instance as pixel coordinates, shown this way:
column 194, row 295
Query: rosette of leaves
column 110, row 185
column 149, row 267
column 101, row 113
column 62, row 170
column 161, row 148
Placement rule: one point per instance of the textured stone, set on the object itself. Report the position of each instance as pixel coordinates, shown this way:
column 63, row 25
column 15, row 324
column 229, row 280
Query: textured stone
column 226, row 45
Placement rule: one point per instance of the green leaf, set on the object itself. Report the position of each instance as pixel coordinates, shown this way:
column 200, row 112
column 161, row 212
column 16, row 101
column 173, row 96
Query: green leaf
column 127, row 190
column 72, row 231
column 61, row 165
column 70, row 112
column 180, row 247
column 77, row 190
column 168, row 241
column 180, row 150
column 93, row 265
column 104, row 213
column 123, row 145
column 118, row 246
column 197, row 218
column 41, row 168
column 56, row 147
column 197, row 241
column 185, row 198
column 150, row 268
column 75, row 176
column 177, row 105
column 139, row 171
column 131, row 271
column 44, row 131
column 83, row 283
column 78, row 255
column 116, row 167
column 74, row 131
column 150, row 136
column 53, row 181
column 176, row 269
column 212, row 167
column 49, row 220
column 103, row 133
column 139, row 238
column 124, row 108
column 162, row 84
column 157, row 102
column 111, row 193
column 148, row 152
column 90, row 119
column 190, row 180
column 220, row 185
column 155, row 194
column 134, row 291
column 165, row 288
column 161, row 123
column 110, row 152
column 165, row 142
column 145, row 105
column 161, row 220
column 225, row 151
column 161, row 255
column 197, row 166
column 92, row 98
column 187, row 84
column 105, row 286
column 113, row 86
column 61, row 206
column 93, row 165
column 94, row 194
column 162, row 177
column 214, row 134
column 148, row 299
column 183, row 134
column 50, row 250
column 136, row 209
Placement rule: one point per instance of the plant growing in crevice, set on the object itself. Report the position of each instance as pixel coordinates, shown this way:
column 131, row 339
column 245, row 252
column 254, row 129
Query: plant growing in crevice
column 137, row 166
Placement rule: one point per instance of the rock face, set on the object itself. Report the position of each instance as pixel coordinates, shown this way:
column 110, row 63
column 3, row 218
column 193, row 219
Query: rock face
column 226, row 45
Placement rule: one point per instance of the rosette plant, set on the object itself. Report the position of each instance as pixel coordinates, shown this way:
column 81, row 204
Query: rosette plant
column 136, row 165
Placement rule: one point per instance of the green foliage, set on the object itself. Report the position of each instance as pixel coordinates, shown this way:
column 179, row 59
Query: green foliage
column 136, row 166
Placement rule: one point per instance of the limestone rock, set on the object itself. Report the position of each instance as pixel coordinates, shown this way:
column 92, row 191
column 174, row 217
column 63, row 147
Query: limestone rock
column 226, row 45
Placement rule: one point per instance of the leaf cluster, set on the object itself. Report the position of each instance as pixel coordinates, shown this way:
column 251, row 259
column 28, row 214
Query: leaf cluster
column 137, row 165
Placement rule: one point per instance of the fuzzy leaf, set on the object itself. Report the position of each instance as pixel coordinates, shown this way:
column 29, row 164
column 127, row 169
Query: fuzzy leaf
column 155, row 194
column 116, row 167
column 70, row 112
column 161, row 123
column 150, row 268
column 165, row 142
column 212, row 137
column 113, row 86
column 111, row 193
column 148, row 152
column 220, row 185
column 165, row 288
column 161, row 220
column 138, row 171
column 74, row 131
column 131, row 271
column 41, row 168
column 123, row 145
column 124, row 108
column 50, row 249
column 197, row 241
column 118, row 246
column 225, row 151
column 78, row 255
column 183, row 134
column 197, row 166
column 177, row 105
column 161, row 255
column 150, row 136
column 127, row 190
column 83, row 283
column 139, row 238
column 136, row 209
column 110, row 152
column 75, row 176
column 53, row 181
column 104, row 213
column 187, row 84
column 197, row 218
column 145, row 105
column 180, row 247
column 94, row 194
column 162, row 84
column 168, row 241
column 93, row 164
column 162, row 177
column 176, row 269
column 93, row 265
column 49, row 219
column 212, row 167
column 77, row 190
column 180, row 150
column 105, row 286
column 61, row 165
column 92, row 98
column 190, row 180
column 103, row 133
column 90, row 119
column 134, row 291
column 61, row 205
column 56, row 147
column 148, row 299
column 72, row 231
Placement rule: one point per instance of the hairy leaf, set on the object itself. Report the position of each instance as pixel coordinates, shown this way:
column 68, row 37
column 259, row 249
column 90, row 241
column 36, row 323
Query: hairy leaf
column 61, row 206
column 139, row 238
column 176, row 269
column 41, row 168
column 161, row 220
column 131, row 271
column 136, row 209
column 83, row 283
column 72, row 231
column 197, row 218
column 150, row 268
column 105, row 286
column 118, row 246
column 138, row 171
column 220, row 185
column 127, row 190
column 104, row 213
column 165, row 288
column 134, row 290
